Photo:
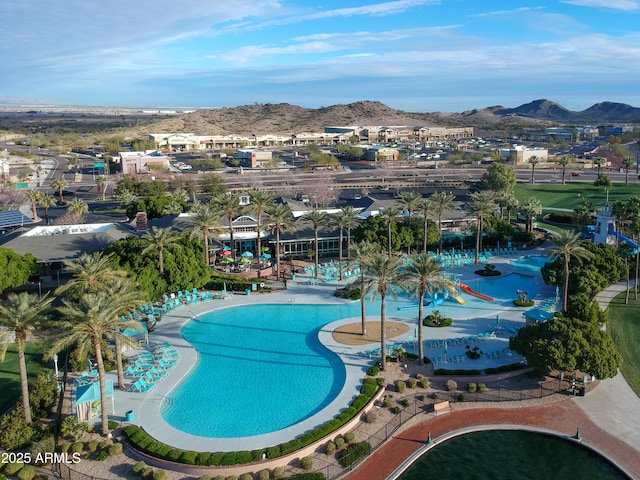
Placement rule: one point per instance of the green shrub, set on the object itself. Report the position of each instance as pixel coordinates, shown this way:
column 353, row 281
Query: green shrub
column 160, row 474
column 203, row 458
column 27, row 472
column 373, row 371
column 42, row 393
column 278, row 472
column 420, row 397
column 13, row 468
column 232, row 477
column 330, row 448
column 482, row 387
column 45, row 445
column 349, row 437
column 307, row 463
column 379, row 381
column 404, row 402
column 64, row 448
column 307, row 476
column 395, row 410
column 189, row 457
column 14, row 431
column 273, row 452
column 460, row 397
column 92, row 446
column 174, row 455
column 105, row 443
column 102, row 455
column 400, row 386
column 371, row 417
column 246, row 476
column 387, row 402
column 424, row 382
column 471, row 387
column 412, row 382
column 434, row 323
column 115, row 449
column 138, row 467
column 433, row 396
column 263, row 475
column 340, row 443
column 147, row 472
column 77, row 447
column 207, row 477
column 353, row 453
column 112, row 424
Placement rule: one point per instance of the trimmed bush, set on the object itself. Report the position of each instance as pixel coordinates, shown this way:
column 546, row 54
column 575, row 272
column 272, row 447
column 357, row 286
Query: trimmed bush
column 330, row 448
column 471, row 387
column 353, row 453
column 395, row 410
column 482, row 387
column 387, row 402
column 105, row 443
column 115, row 449
column 404, row 402
column 307, row 463
column 232, row 477
column 27, row 472
column 102, row 455
column 147, row 472
column 263, row 475
column 371, row 417
column 278, row 472
column 207, row 477
column 160, row 474
column 373, row 371
column 139, row 467
column 460, row 397
column 77, row 447
column 112, row 424
column 340, row 443
column 93, row 445
column 424, row 382
column 246, row 476
column 13, row 468
column 400, row 386
column 349, row 437
column 452, row 385
column 412, row 382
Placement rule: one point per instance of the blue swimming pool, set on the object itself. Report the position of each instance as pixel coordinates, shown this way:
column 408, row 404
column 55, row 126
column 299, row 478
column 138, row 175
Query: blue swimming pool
column 504, row 287
column 261, row 369
column 531, row 262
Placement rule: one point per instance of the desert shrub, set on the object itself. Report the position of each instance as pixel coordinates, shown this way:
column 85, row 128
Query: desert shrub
column 147, row 472
column 412, row 382
column 42, row 393
column 232, row 477
column 112, row 424
column 404, row 402
column 92, row 446
column 115, row 449
column 15, row 433
column 263, row 475
column 371, row 417
column 471, row 387
column 373, row 371
column 482, row 387
column 307, row 463
column 138, row 467
column 13, row 468
column 420, row 397
column 460, row 397
column 160, row 474
column 102, row 455
column 353, row 453
column 349, row 437
column 400, row 386
column 207, row 477
column 340, row 443
column 105, row 443
column 387, row 402
column 433, row 396
column 246, row 476
column 77, row 447
column 452, row 385
column 27, row 472
column 278, row 472
column 330, row 448
column 424, row 382
column 44, row 445
column 64, row 448
column 395, row 410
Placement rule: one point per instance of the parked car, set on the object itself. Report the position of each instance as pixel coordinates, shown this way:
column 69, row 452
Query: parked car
column 575, row 174
column 184, row 166
column 65, row 193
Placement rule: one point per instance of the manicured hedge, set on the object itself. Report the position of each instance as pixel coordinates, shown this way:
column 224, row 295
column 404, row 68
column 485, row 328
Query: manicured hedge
column 147, row 444
column 353, row 453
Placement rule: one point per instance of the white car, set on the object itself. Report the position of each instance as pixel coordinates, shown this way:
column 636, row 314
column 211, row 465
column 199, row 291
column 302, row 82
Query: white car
column 185, row 167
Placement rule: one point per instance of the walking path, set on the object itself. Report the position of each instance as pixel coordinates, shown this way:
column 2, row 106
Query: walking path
column 606, row 417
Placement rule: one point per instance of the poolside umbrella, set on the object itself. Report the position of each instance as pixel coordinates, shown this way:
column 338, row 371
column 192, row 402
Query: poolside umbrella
column 226, row 248
column 226, row 260
column 264, row 249
column 265, row 256
column 498, row 320
column 244, row 260
column 247, row 254
column 446, row 347
column 225, row 253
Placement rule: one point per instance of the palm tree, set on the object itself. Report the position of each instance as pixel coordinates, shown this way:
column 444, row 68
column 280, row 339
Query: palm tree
column 599, row 162
column 564, row 161
column 389, row 214
column 46, row 202
column 229, row 203
column 317, row 218
column 512, row 204
column 567, row 245
column 159, row 239
column 481, row 205
column 59, row 184
column 627, row 162
column 33, row 196
column 426, row 208
column 78, row 206
column 260, row 202
column 101, row 183
column 424, row 275
column 363, row 252
column 442, row 202
column 206, row 218
column 410, row 201
column 90, row 273
column 384, row 275
column 351, row 219
column 339, row 220
column 21, row 313
column 634, row 226
column 533, row 161
column 281, row 217
column 92, row 321
column 531, row 208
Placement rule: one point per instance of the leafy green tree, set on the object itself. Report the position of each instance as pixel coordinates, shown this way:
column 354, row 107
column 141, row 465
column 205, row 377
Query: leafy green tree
column 603, row 181
column 158, row 239
column 281, row 218
column 213, row 184
column 584, row 212
column 442, row 202
column 16, row 269
column 499, row 178
column 317, row 219
column 568, row 245
column 384, row 276
column 424, row 274
column 20, row 314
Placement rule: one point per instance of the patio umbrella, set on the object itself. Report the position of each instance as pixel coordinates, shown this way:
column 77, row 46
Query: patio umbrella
column 265, row 256
column 227, row 248
column 227, row 260
column 247, row 254
column 225, row 253
column 244, row 260
column 264, row 249
column 498, row 320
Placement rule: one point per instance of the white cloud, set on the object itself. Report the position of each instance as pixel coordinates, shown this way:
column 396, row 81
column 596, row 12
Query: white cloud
column 625, row 5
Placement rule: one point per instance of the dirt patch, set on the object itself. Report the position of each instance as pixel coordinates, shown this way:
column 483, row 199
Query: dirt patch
column 350, row 334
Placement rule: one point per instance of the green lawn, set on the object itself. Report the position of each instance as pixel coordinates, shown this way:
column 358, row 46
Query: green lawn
column 568, row 196
column 9, row 376
column 625, row 329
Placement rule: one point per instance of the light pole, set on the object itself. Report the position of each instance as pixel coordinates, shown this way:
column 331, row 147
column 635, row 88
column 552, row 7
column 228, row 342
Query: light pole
column 55, row 363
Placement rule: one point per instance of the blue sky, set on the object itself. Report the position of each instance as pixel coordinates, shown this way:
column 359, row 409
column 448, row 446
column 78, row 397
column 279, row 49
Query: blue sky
column 414, row 55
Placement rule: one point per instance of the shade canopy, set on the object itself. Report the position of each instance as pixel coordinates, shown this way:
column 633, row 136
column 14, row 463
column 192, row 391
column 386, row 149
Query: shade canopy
column 244, row 261
column 247, row 254
column 226, row 248
column 227, row 260
column 265, row 256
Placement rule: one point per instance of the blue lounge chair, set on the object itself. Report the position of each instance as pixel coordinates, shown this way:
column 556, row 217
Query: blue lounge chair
column 146, row 384
column 165, row 366
column 143, row 388
column 134, row 373
column 151, row 377
column 159, row 373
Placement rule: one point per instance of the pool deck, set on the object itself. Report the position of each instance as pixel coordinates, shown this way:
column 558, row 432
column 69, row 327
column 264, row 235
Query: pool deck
column 147, row 406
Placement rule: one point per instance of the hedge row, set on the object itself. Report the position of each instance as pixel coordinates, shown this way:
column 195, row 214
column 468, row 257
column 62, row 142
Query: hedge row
column 147, row 444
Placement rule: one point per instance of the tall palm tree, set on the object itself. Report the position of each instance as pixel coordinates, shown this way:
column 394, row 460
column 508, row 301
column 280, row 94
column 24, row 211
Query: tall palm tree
column 627, row 162
column 338, row 220
column 410, row 201
column 426, row 208
column 424, row 275
column 442, row 202
column 89, row 274
column 21, row 313
column 533, row 161
column 59, row 184
column 260, row 202
column 317, row 219
column 389, row 215
column 78, row 206
column 481, row 205
column 46, row 202
column 33, row 196
column 531, row 208
column 92, row 322
column 567, row 245
column 229, row 203
column 384, row 276
column 634, row 226
column 351, row 219
column 281, row 218
column 363, row 252
column 159, row 239
column 206, row 218
column 101, row 183
column 563, row 162
column 599, row 162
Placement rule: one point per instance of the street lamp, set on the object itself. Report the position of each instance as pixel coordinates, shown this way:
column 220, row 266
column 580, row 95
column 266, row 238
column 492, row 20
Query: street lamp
column 55, row 363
